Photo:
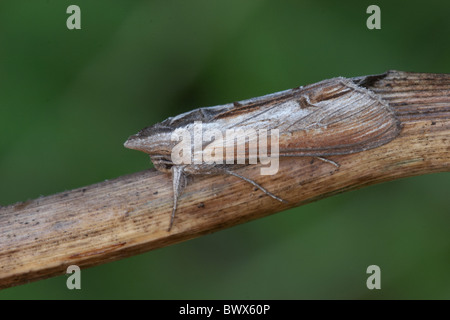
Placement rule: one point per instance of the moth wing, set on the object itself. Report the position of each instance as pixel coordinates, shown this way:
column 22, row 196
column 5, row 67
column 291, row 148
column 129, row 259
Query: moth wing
column 328, row 118
column 347, row 119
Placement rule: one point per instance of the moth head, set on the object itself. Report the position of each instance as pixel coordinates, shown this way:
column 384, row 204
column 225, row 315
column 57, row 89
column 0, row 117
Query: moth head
column 154, row 140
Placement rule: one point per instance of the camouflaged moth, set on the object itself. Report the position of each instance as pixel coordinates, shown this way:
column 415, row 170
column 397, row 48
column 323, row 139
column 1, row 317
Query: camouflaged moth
column 332, row 117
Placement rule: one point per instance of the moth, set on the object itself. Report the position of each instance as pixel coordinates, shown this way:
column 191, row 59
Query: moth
column 332, row 117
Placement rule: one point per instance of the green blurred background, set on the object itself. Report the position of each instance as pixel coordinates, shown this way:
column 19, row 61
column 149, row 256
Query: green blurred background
column 69, row 99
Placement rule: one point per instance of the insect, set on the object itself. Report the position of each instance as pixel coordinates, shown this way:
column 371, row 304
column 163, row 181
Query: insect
column 331, row 117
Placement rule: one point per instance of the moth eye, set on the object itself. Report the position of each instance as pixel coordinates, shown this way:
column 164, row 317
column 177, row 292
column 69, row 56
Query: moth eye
column 163, row 165
column 167, row 166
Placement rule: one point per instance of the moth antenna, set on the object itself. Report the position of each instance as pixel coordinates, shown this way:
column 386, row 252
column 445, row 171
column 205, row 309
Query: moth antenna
column 256, row 185
column 179, row 183
column 329, row 161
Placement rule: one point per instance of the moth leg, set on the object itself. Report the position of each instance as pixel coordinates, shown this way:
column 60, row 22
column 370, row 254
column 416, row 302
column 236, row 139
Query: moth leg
column 255, row 184
column 179, row 183
column 329, row 161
